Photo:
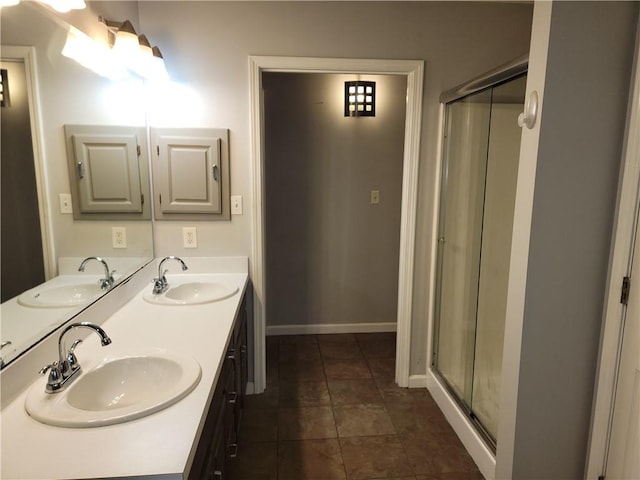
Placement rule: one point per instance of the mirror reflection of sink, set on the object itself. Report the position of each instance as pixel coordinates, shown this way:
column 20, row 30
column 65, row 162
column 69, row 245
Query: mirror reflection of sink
column 60, row 296
column 192, row 293
column 117, row 390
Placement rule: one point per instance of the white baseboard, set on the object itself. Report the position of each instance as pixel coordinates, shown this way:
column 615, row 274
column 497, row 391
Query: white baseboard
column 319, row 329
column 250, row 388
column 417, row 381
column 480, row 453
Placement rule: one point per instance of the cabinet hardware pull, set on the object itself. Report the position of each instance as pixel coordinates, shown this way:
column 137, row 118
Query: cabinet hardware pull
column 233, row 397
column 80, row 170
column 231, row 354
column 215, row 172
column 233, row 450
column 217, row 474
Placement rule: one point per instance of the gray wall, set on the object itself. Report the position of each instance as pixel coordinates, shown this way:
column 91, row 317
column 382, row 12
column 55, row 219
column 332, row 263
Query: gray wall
column 582, row 127
column 206, row 47
column 332, row 256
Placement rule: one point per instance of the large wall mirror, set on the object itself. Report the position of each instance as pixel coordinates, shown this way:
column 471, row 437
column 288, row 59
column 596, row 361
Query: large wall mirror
column 42, row 245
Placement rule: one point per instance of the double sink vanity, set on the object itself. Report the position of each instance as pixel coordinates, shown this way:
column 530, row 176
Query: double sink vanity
column 147, row 382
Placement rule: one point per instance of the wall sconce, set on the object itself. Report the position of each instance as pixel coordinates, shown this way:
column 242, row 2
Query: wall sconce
column 359, row 99
column 4, row 88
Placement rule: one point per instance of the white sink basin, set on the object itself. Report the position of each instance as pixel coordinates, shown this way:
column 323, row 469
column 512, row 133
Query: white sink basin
column 117, row 390
column 192, row 293
column 61, row 296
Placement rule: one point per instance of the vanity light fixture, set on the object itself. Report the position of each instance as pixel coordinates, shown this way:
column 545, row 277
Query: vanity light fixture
column 92, row 55
column 359, row 99
column 61, row 6
column 135, row 51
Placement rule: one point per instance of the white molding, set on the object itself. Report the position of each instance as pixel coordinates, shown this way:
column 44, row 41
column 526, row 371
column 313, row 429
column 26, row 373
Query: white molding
column 250, row 390
column 473, row 443
column 418, row 381
column 28, row 55
column 619, row 266
column 329, row 328
column 519, row 262
column 414, row 70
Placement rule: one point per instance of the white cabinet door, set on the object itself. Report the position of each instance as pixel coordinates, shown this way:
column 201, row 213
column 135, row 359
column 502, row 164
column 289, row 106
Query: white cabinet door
column 190, row 173
column 108, row 171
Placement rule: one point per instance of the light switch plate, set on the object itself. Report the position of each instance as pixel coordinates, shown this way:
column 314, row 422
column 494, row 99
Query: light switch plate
column 65, row 203
column 119, row 237
column 189, row 237
column 236, row 204
column 375, row 197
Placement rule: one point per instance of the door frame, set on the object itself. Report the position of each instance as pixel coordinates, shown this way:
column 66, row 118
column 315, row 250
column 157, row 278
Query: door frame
column 624, row 231
column 414, row 71
column 28, row 56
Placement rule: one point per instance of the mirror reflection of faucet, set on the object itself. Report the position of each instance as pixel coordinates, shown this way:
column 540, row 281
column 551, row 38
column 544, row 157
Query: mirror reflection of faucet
column 160, row 284
column 105, row 283
column 64, row 370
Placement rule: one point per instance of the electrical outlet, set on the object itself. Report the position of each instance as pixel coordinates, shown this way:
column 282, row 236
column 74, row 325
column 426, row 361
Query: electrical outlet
column 189, row 237
column 236, row 204
column 119, row 237
column 375, row 197
column 65, row 203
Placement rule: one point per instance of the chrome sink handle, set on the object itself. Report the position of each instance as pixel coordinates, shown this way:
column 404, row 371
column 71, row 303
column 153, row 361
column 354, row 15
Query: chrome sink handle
column 63, row 371
column 160, row 284
column 105, row 283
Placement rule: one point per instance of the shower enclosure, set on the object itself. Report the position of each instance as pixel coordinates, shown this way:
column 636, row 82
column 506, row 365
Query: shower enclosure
column 480, row 166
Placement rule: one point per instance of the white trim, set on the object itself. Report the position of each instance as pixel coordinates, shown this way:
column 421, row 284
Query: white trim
column 519, row 262
column 322, row 329
column 28, row 55
column 250, row 390
column 473, row 443
column 414, row 70
column 620, row 266
column 418, row 381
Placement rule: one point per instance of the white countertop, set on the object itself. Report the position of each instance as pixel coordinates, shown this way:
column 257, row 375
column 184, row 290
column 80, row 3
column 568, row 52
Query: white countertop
column 160, row 445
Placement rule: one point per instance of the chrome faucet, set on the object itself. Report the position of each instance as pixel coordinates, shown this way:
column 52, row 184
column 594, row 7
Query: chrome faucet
column 105, row 283
column 160, row 284
column 63, row 371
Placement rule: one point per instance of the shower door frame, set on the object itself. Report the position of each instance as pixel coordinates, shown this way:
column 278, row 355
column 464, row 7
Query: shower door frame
column 474, row 441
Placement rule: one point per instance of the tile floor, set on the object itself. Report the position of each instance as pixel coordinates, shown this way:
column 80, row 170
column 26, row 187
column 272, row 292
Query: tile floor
column 331, row 410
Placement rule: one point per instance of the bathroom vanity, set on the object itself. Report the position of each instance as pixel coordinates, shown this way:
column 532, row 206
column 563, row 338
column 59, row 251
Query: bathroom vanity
column 189, row 438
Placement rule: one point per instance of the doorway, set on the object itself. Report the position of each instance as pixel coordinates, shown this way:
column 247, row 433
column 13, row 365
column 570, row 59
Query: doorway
column 333, row 188
column 413, row 70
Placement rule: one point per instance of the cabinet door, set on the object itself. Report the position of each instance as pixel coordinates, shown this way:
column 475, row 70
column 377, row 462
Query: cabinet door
column 106, row 175
column 190, row 173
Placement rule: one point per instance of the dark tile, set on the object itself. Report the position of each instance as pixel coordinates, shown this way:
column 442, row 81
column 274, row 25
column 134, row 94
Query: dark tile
column 303, row 339
column 301, row 371
column 255, row 461
column 383, row 368
column 417, row 417
column 306, row 423
column 341, row 351
column 378, row 347
column 304, row 394
column 377, row 337
column 310, row 459
column 363, row 420
column 259, row 425
column 298, row 352
column 392, row 393
column 452, row 476
column 267, row 399
column 352, row 368
column 374, row 457
column 338, row 338
column 348, row 392
column 436, row 453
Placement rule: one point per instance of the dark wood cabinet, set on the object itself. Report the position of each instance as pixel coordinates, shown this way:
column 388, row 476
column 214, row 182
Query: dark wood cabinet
column 219, row 438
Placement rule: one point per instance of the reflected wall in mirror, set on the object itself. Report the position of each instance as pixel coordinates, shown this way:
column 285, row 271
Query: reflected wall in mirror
column 42, row 247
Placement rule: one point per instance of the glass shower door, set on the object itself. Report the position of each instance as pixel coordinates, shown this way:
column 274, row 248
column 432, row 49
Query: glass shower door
column 480, row 166
column 460, row 237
